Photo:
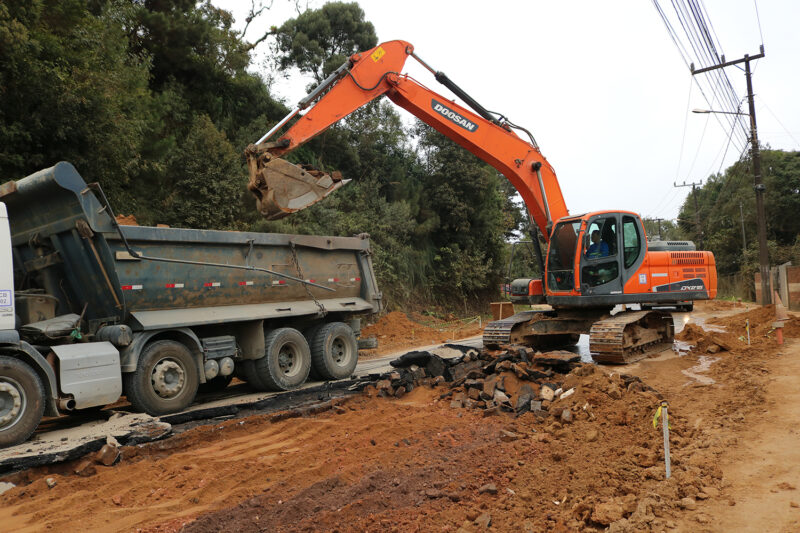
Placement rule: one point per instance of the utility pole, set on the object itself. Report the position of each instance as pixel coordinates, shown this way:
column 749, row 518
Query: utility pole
column 694, row 185
column 744, row 238
column 758, row 184
column 658, row 224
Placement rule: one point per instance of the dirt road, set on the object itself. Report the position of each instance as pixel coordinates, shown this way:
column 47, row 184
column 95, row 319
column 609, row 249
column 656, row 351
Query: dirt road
column 416, row 464
column 762, row 471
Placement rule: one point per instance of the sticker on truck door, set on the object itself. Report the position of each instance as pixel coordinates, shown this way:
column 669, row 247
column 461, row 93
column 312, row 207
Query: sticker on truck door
column 5, row 299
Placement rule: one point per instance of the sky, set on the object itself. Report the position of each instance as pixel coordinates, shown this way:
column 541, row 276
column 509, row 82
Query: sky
column 600, row 84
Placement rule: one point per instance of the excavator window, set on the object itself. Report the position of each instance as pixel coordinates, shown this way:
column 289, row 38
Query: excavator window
column 631, row 240
column 602, row 234
column 601, row 252
column 561, row 259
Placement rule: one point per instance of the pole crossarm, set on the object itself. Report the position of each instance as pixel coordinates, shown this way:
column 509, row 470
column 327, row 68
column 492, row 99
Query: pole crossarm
column 727, row 63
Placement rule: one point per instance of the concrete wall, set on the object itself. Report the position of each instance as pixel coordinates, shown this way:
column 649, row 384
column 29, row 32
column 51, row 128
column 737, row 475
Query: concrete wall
column 786, row 280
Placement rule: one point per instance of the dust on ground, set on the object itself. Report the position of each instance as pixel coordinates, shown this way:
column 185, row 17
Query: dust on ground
column 416, row 464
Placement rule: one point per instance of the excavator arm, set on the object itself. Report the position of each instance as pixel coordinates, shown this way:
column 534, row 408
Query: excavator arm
column 282, row 188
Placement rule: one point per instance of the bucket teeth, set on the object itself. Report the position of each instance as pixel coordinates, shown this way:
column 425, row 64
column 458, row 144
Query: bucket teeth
column 282, row 188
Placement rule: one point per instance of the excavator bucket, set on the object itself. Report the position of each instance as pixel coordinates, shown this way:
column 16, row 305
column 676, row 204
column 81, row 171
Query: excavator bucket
column 282, row 188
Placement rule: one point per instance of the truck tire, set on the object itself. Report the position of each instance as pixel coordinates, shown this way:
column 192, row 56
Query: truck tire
column 334, row 351
column 251, row 375
column 287, row 360
column 21, row 401
column 165, row 379
column 309, row 334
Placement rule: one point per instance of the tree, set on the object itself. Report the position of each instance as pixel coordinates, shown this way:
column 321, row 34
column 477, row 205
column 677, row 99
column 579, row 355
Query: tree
column 320, row 40
column 209, row 179
column 664, row 229
column 70, row 90
column 726, row 202
column 465, row 199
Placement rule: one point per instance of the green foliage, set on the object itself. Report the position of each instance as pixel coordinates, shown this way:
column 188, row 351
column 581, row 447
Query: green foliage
column 209, row 177
column 318, row 41
column 666, row 230
column 465, row 200
column 721, row 216
column 153, row 99
column 70, row 90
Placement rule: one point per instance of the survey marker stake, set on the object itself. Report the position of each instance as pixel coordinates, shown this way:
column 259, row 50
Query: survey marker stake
column 662, row 411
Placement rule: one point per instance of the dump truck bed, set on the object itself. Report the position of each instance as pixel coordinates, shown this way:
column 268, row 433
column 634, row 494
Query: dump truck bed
column 64, row 236
column 157, row 293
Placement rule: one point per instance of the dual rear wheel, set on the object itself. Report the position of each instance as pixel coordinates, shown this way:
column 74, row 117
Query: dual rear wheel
column 330, row 350
column 166, row 379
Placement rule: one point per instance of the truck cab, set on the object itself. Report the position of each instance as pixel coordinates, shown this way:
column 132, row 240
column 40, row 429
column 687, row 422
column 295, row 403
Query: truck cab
column 7, row 321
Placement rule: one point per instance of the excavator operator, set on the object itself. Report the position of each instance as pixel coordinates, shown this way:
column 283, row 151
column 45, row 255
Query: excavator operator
column 598, row 248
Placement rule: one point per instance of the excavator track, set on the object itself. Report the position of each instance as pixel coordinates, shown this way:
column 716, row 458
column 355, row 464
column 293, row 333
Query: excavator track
column 631, row 336
column 498, row 332
column 538, row 329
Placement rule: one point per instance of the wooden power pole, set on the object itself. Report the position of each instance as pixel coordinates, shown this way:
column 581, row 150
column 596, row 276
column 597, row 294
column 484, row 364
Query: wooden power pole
column 758, row 183
column 694, row 185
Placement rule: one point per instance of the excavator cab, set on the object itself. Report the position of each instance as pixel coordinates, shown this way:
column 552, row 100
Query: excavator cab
column 607, row 248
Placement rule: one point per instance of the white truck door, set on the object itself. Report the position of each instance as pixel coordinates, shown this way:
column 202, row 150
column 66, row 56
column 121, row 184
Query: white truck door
column 6, row 273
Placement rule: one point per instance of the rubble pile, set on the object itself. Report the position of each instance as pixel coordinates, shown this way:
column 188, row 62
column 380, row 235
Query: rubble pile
column 515, row 380
column 730, row 333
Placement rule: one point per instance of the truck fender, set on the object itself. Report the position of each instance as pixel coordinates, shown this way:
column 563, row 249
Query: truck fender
column 129, row 356
column 31, row 356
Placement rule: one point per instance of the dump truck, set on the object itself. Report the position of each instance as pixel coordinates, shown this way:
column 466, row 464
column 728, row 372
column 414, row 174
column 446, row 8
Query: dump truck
column 91, row 310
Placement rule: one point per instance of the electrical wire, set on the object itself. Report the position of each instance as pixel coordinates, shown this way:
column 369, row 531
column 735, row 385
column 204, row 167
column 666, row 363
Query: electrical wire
column 700, row 45
column 704, row 58
column 685, row 122
column 692, row 21
column 758, row 18
column 789, row 133
column 699, row 144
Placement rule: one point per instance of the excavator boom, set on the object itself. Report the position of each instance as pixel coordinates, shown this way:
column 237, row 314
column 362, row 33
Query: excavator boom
column 282, row 188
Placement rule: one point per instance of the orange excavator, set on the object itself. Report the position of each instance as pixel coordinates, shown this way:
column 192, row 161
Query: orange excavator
column 595, row 265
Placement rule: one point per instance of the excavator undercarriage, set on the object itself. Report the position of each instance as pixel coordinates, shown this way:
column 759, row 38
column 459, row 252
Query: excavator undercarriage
column 622, row 338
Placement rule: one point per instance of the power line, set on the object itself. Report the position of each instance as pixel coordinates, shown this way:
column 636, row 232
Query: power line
column 685, row 122
column 705, row 47
column 699, row 144
column 693, row 185
column 758, row 18
column 789, row 133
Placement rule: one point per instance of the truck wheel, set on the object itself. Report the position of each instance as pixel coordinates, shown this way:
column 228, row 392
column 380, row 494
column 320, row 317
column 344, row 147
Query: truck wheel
column 251, row 375
column 165, row 379
column 21, row 401
column 309, row 334
column 334, row 351
column 287, row 360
